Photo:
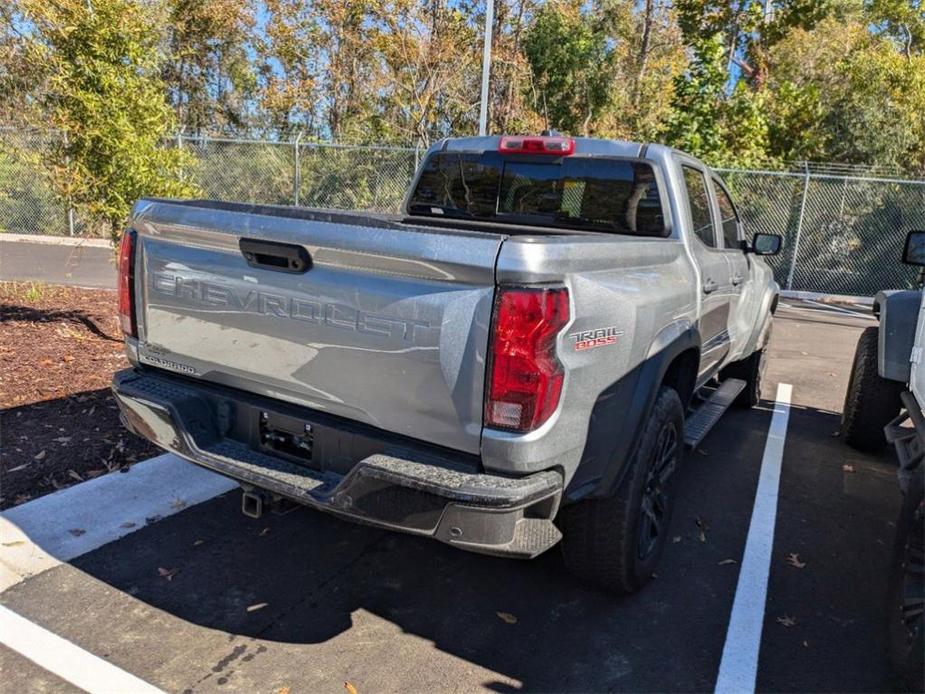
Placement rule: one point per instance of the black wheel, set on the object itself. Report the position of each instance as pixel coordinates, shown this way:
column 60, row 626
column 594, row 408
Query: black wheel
column 871, row 401
column 616, row 542
column 907, row 590
column 751, row 370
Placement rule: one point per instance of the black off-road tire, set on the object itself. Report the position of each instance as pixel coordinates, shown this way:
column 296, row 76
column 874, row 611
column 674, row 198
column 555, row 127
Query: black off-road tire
column 603, row 538
column 751, row 370
column 907, row 591
column 870, row 401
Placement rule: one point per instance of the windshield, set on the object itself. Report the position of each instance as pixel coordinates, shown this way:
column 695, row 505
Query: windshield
column 619, row 196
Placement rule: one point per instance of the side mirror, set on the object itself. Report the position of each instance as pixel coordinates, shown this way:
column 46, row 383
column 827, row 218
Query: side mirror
column 767, row 244
column 914, row 252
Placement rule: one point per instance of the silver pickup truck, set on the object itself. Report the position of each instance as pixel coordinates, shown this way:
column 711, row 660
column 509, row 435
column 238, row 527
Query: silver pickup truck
column 506, row 364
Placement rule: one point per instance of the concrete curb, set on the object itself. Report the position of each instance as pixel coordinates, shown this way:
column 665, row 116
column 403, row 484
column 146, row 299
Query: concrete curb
column 56, row 240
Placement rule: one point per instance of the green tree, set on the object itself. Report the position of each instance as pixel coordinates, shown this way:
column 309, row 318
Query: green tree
column 102, row 91
column 208, row 69
column 570, row 61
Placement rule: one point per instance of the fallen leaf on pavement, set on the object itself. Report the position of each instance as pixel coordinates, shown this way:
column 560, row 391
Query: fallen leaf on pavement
column 703, row 527
column 283, row 690
column 14, row 543
column 350, row 688
column 507, row 617
column 786, row 621
column 77, row 532
column 728, row 561
column 39, row 456
column 794, row 560
column 257, row 606
column 167, row 573
column 847, row 468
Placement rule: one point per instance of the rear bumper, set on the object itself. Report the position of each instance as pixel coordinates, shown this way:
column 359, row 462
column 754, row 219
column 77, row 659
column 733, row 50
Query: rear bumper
column 396, row 488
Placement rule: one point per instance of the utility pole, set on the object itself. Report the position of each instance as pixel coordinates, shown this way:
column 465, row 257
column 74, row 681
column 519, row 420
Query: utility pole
column 486, row 66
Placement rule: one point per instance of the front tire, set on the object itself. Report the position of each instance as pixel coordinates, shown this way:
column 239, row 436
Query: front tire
column 871, row 402
column 616, row 542
column 751, row 370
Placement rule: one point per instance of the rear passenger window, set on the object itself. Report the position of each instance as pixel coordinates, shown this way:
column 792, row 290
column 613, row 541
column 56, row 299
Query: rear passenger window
column 699, row 199
column 728, row 217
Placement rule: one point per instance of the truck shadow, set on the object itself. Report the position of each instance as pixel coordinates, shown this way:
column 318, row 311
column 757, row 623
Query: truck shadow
column 308, row 579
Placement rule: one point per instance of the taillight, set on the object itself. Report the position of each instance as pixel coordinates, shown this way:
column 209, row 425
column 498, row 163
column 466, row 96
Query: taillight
column 522, row 144
column 525, row 377
column 127, row 284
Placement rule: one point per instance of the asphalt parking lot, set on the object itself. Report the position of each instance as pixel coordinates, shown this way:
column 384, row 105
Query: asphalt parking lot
column 209, row 600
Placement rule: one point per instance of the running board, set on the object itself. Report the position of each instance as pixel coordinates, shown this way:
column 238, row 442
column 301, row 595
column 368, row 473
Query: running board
column 698, row 425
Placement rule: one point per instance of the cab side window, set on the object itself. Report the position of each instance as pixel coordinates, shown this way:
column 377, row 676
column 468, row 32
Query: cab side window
column 728, row 217
column 701, row 211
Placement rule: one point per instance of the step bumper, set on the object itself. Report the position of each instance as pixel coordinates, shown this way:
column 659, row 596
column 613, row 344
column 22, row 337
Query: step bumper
column 400, row 490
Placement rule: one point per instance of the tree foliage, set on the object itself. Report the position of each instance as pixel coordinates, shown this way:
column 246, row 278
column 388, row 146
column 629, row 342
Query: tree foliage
column 737, row 82
column 100, row 88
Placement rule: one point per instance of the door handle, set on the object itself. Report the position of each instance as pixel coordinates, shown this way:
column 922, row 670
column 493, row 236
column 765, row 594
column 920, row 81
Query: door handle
column 710, row 286
column 737, row 280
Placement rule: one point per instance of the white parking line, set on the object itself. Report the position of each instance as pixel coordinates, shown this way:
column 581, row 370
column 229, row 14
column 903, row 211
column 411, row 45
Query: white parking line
column 41, row 534
column 739, row 665
column 62, row 658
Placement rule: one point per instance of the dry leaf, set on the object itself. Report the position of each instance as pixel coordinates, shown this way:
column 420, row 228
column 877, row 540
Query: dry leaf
column 39, row 456
column 14, row 543
column 256, row 606
column 794, row 560
column 350, row 688
column 507, row 617
column 77, row 532
column 703, row 527
column 167, row 573
column 728, row 561
column 786, row 621
column 283, row 690
column 74, row 475
column 847, row 468
column 18, row 467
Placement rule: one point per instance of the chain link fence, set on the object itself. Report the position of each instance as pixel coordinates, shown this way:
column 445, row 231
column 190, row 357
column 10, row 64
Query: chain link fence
column 843, row 234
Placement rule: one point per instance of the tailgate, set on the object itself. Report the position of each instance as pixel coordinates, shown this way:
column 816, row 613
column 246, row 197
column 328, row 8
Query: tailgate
column 388, row 327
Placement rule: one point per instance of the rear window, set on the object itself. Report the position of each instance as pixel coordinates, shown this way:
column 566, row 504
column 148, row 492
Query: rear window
column 619, row 196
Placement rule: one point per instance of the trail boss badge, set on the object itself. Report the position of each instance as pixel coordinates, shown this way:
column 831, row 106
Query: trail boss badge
column 599, row 337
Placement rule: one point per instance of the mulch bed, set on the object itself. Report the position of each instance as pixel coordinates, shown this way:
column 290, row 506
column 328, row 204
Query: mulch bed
column 59, row 424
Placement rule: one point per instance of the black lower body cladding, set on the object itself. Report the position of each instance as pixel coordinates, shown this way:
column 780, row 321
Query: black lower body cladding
column 340, row 467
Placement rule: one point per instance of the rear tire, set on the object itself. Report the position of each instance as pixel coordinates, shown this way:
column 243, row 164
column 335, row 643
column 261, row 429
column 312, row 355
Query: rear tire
column 615, row 542
column 871, row 402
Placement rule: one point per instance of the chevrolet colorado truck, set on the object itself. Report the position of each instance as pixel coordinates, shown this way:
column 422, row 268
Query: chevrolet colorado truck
column 507, row 363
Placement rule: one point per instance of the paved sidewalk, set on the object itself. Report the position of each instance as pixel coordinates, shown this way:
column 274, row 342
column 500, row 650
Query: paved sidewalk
column 57, row 260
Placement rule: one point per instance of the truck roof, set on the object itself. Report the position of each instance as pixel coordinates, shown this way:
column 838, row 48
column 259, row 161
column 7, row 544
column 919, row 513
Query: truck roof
column 583, row 145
